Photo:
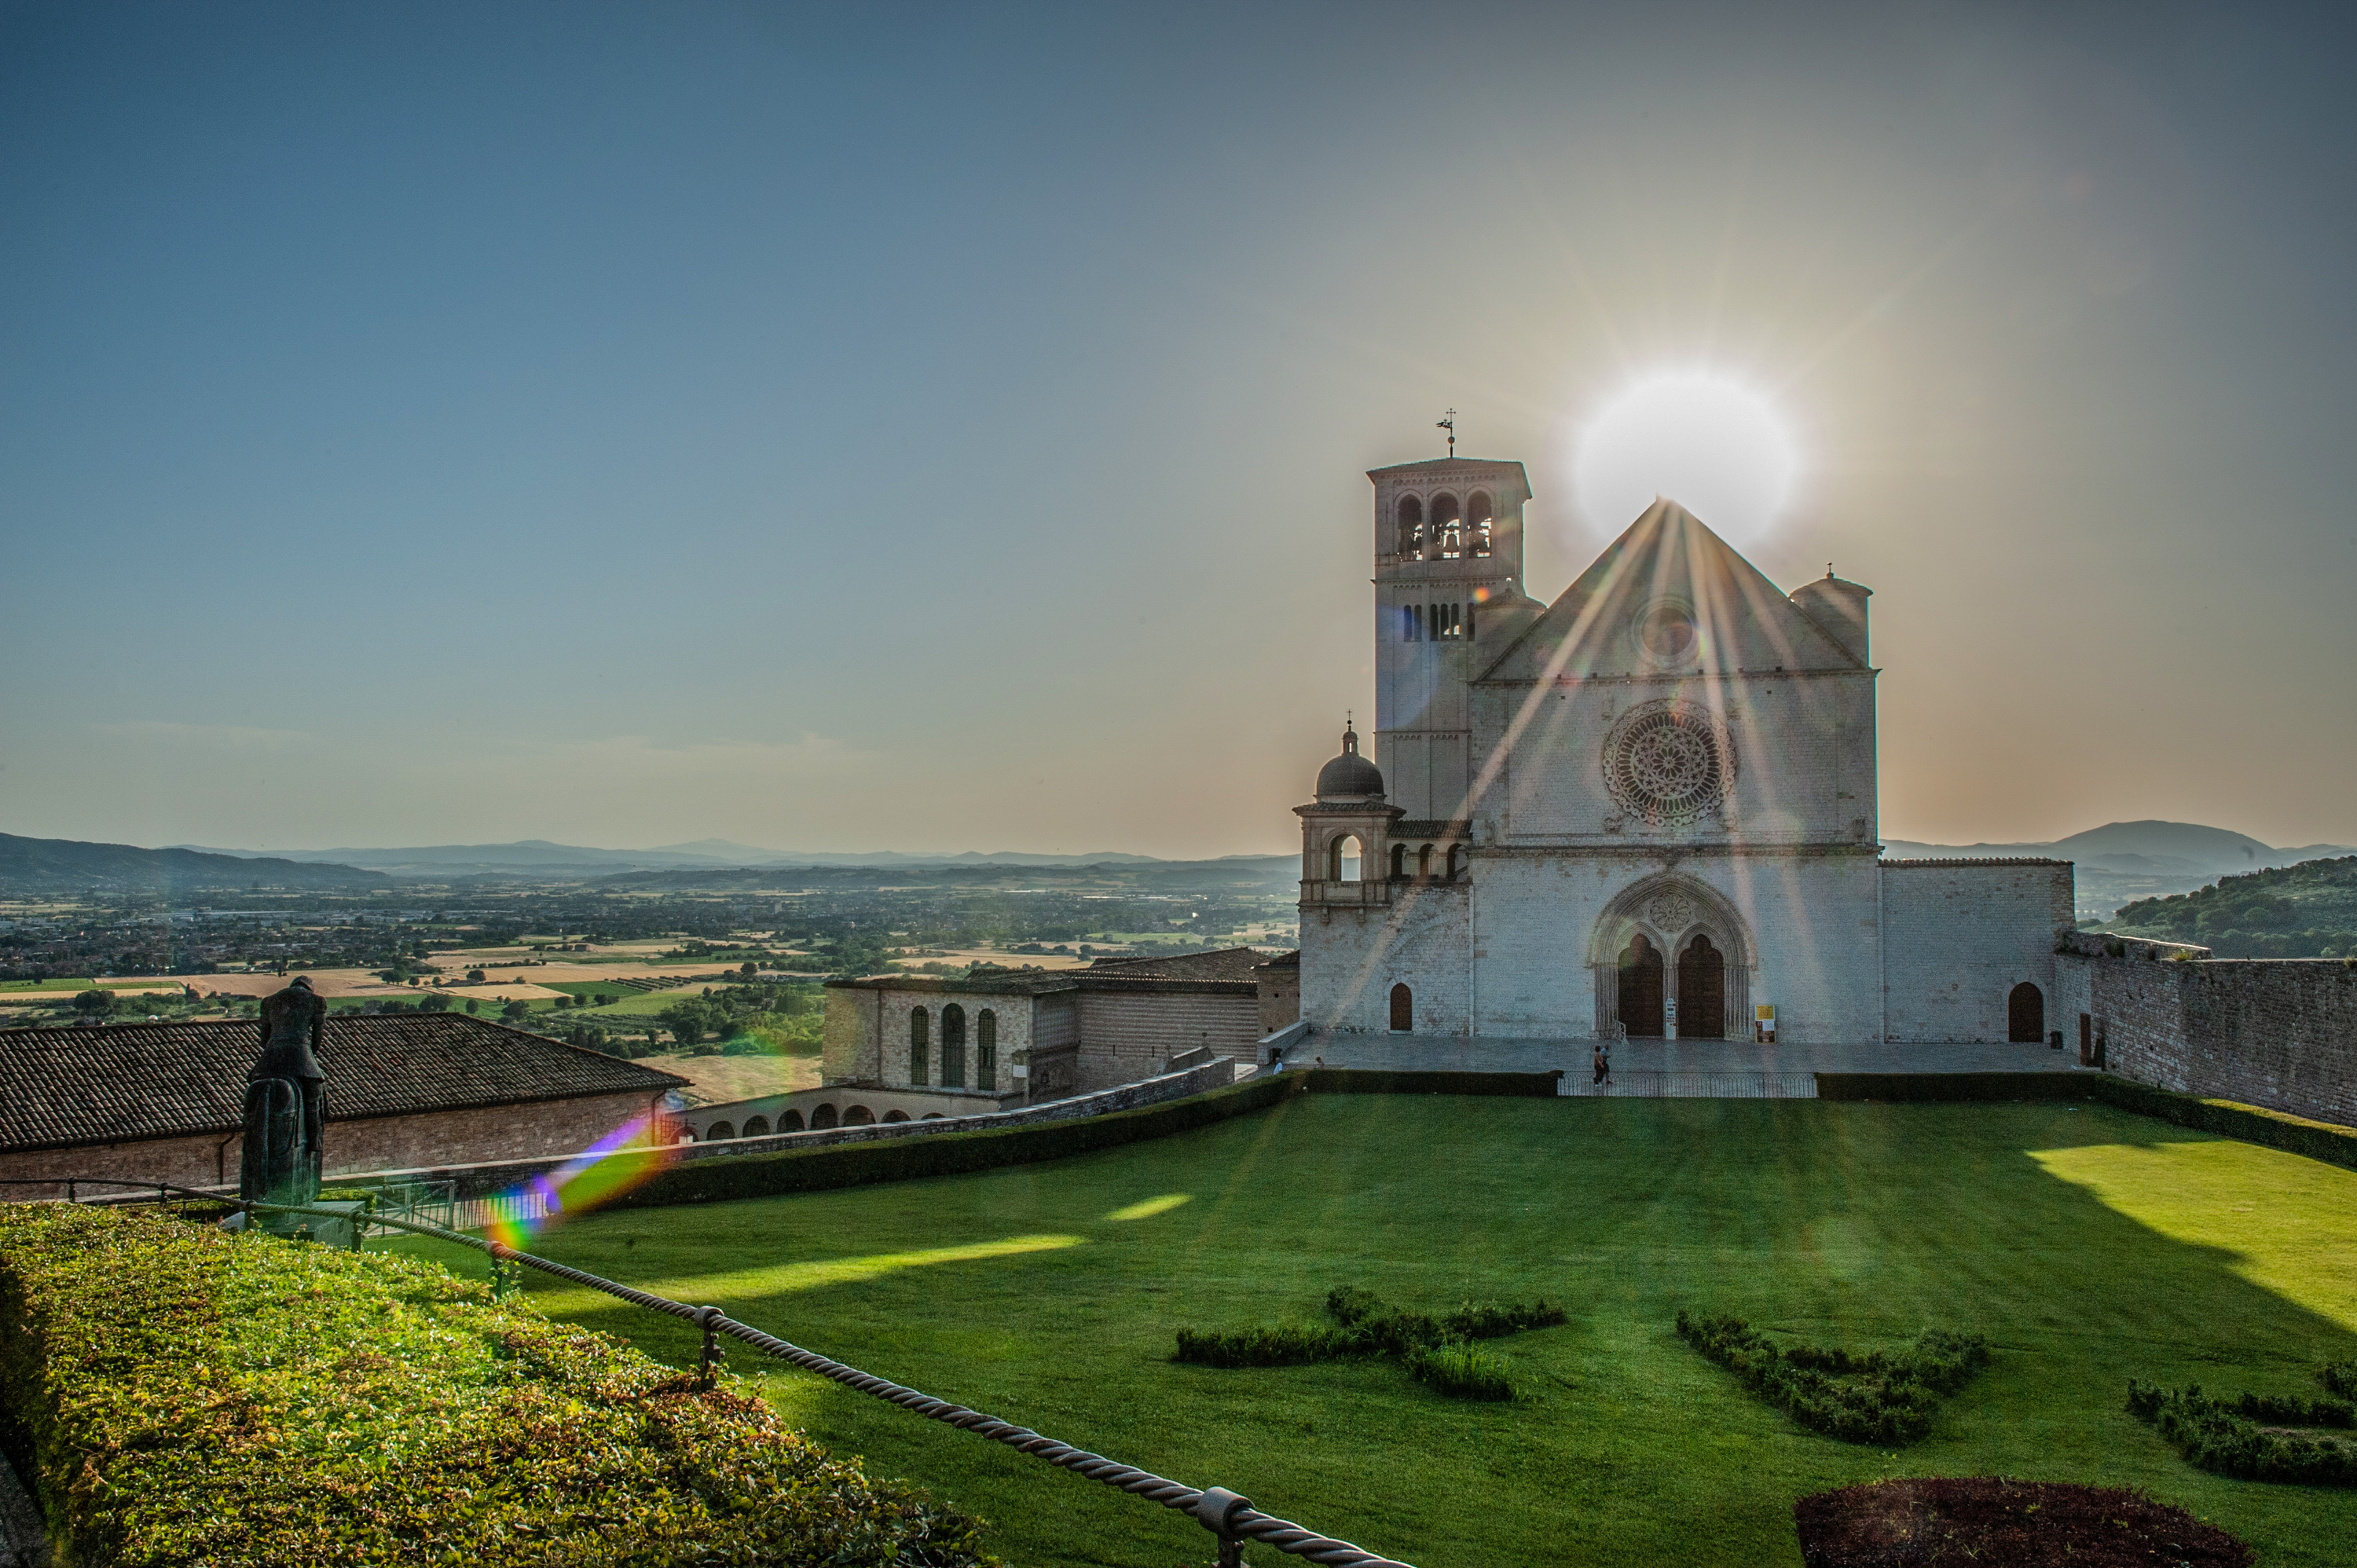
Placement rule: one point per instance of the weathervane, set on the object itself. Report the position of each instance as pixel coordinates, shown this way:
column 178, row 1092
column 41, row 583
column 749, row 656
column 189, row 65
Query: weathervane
column 1450, row 424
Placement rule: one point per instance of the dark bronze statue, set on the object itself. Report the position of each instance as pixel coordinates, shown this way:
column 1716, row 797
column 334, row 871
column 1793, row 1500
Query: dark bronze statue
column 287, row 1102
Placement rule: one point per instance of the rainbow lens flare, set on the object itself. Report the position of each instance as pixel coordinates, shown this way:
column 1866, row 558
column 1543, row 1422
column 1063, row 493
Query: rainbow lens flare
column 622, row 1159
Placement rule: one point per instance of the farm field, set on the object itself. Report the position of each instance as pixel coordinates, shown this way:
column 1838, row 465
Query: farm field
column 2090, row 1246
column 719, row 1080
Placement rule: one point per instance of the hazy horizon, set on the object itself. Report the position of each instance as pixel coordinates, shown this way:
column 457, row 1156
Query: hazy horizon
column 458, row 425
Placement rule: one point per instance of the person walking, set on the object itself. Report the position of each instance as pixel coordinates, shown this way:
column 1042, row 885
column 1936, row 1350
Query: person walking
column 1599, row 1064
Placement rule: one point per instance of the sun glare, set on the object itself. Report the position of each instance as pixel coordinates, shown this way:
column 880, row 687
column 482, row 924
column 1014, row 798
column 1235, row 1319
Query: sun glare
column 1713, row 445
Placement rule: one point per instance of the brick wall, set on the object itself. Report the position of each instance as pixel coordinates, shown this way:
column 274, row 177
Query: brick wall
column 1959, row 935
column 2281, row 1032
column 548, row 1128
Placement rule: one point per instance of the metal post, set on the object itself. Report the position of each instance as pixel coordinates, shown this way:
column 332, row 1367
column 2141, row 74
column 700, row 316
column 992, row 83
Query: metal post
column 1216, row 1511
column 710, row 1318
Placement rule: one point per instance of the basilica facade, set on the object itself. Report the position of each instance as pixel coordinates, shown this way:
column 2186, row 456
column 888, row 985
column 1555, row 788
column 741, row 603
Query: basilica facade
column 1645, row 809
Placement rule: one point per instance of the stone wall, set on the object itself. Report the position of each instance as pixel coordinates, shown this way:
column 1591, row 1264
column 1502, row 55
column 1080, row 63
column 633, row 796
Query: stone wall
column 1959, row 935
column 477, row 1181
column 2280, row 1032
column 1350, row 959
column 1128, row 1035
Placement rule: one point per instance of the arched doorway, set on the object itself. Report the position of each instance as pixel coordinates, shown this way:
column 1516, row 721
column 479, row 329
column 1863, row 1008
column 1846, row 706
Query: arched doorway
column 1641, row 989
column 2025, row 1015
column 1403, row 1010
column 1702, row 991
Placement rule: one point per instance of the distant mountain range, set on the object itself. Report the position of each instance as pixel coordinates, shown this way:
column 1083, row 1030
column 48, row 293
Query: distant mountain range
column 2117, row 862
column 2137, row 849
column 66, row 866
column 541, row 857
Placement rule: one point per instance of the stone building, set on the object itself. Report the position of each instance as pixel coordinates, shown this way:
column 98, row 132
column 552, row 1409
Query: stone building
column 166, row 1101
column 1648, row 807
column 1003, row 1038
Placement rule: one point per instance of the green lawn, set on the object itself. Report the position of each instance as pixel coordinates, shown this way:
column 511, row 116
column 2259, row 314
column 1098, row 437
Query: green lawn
column 2089, row 1245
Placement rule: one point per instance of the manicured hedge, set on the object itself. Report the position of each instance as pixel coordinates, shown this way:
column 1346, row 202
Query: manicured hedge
column 2223, row 1436
column 1364, row 1325
column 944, row 1153
column 1368, row 1080
column 177, row 1395
column 1875, row 1397
column 2249, row 1123
column 1438, row 1351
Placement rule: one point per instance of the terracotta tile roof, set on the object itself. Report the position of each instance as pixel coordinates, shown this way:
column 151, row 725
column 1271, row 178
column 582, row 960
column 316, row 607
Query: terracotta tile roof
column 64, row 1088
column 1227, row 964
column 1209, row 971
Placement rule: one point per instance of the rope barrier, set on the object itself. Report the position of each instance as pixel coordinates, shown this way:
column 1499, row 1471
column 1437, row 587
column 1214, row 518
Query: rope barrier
column 1230, row 1516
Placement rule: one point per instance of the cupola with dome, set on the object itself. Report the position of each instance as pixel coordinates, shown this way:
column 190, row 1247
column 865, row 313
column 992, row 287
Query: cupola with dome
column 1350, row 777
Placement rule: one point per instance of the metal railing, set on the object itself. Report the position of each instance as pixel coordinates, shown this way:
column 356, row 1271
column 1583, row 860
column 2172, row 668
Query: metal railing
column 1228, row 1516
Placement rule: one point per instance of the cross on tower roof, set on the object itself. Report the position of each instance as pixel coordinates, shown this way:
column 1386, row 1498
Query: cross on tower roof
column 1450, row 424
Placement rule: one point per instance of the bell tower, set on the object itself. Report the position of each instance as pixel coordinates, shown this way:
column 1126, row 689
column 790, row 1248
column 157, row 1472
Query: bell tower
column 1448, row 570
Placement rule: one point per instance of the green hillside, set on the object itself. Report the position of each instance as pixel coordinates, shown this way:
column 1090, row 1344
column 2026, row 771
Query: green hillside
column 2309, row 910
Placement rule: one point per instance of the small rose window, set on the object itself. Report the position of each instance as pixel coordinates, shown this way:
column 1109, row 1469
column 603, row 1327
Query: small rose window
column 1668, row 633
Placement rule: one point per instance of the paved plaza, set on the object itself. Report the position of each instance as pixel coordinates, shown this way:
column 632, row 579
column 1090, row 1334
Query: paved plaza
column 1681, row 1068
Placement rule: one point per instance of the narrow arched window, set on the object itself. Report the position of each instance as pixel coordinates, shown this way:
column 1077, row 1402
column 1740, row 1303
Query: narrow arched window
column 1479, row 510
column 985, row 1049
column 1423, row 863
column 953, row 1047
column 919, row 1026
column 1456, row 861
column 1410, row 516
column 1403, row 1010
column 1399, row 862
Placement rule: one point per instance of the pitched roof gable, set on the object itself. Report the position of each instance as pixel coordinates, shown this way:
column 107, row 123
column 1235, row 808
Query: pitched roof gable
column 66, row 1088
column 1668, row 553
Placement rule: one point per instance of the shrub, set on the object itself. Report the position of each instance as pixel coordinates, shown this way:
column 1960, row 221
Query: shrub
column 2216, row 1435
column 2340, row 1378
column 1286, row 1344
column 1876, row 1398
column 1463, row 1371
column 177, row 1395
column 1434, row 1349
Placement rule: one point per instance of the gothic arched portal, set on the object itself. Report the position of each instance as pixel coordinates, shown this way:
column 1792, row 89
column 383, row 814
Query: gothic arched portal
column 1641, row 989
column 1702, row 991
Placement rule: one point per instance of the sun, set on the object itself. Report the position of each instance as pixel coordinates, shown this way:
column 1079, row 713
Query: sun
column 1708, row 443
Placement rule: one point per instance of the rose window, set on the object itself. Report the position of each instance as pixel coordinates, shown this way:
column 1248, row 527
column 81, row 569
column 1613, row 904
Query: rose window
column 1669, row 764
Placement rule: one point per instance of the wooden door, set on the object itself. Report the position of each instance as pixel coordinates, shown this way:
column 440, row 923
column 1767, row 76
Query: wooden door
column 1702, row 991
column 1641, row 989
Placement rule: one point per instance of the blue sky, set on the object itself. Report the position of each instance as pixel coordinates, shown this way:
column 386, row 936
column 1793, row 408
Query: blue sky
column 939, row 428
